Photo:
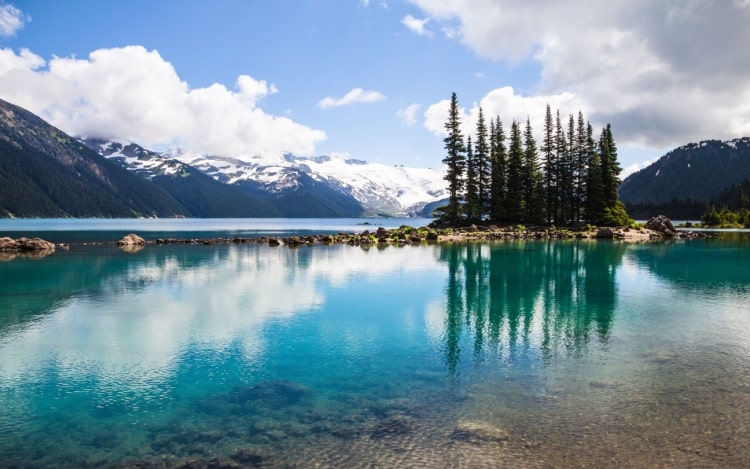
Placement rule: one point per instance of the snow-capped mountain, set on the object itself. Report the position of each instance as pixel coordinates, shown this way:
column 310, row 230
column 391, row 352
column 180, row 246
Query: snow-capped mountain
column 145, row 163
column 381, row 189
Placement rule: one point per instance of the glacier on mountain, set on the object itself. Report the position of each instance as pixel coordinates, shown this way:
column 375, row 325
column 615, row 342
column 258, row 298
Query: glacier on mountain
column 382, row 190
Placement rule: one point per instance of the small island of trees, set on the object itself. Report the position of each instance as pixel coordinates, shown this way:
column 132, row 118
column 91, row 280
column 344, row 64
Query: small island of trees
column 571, row 179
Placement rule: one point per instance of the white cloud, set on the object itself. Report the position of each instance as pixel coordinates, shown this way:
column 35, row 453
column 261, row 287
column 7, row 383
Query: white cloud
column 436, row 115
column 635, row 167
column 503, row 102
column 663, row 73
column 356, row 95
column 416, row 25
column 11, row 20
column 408, row 115
column 132, row 93
column 26, row 60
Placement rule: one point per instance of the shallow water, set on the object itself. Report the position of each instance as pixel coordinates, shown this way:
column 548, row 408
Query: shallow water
column 521, row 354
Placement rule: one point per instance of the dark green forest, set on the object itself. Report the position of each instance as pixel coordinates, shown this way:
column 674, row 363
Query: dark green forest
column 35, row 185
column 569, row 180
column 735, row 208
column 685, row 181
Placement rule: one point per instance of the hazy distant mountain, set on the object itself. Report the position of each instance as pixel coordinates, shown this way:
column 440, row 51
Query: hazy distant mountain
column 687, row 178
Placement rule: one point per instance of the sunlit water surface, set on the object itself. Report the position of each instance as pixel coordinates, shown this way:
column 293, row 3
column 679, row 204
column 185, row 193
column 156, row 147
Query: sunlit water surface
column 517, row 354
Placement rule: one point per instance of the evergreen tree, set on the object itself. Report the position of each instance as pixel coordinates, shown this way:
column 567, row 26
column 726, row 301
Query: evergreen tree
column 499, row 160
column 577, row 178
column 483, row 166
column 550, row 166
column 514, row 200
column 532, row 205
column 581, row 166
column 614, row 211
column 471, row 204
column 610, row 167
column 455, row 159
column 572, row 151
column 564, row 174
column 595, row 203
column 742, row 201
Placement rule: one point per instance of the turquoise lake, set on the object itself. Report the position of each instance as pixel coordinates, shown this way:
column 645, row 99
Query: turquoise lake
column 508, row 354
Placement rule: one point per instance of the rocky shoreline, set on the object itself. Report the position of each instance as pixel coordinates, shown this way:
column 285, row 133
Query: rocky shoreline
column 658, row 228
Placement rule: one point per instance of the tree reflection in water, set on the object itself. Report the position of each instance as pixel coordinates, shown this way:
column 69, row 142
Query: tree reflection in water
column 504, row 295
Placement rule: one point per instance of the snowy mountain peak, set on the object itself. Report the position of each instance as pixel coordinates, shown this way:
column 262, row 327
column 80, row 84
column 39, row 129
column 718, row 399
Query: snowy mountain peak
column 381, row 189
column 136, row 158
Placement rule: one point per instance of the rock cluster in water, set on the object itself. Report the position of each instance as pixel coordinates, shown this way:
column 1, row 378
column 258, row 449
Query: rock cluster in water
column 408, row 235
column 131, row 240
column 656, row 228
column 25, row 245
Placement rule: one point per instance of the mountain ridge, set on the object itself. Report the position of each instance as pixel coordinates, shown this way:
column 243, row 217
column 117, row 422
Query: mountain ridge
column 45, row 172
column 687, row 178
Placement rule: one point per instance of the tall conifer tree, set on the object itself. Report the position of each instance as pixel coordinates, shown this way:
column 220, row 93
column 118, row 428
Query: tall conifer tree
column 514, row 199
column 549, row 165
column 581, row 166
column 483, row 166
column 595, row 202
column 532, row 204
column 610, row 167
column 564, row 173
column 455, row 159
column 499, row 159
column 471, row 204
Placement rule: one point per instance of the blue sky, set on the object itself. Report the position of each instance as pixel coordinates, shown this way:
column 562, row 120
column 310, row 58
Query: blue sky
column 370, row 78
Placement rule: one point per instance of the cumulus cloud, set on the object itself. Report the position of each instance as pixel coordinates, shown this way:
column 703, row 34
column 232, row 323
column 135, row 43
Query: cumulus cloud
column 408, row 115
column 11, row 20
column 356, row 95
column 663, row 73
column 507, row 104
column 416, row 25
column 132, row 93
column 635, row 167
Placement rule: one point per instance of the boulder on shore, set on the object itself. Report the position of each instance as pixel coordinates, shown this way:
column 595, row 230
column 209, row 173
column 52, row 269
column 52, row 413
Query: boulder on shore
column 661, row 224
column 605, row 232
column 131, row 240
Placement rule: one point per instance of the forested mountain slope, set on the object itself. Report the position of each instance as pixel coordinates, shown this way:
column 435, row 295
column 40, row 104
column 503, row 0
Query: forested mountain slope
column 46, row 173
column 698, row 171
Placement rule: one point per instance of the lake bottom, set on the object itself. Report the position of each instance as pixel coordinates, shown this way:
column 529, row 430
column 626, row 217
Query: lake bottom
column 697, row 419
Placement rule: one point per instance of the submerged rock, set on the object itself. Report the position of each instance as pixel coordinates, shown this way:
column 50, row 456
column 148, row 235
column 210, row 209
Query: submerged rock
column 394, row 425
column 478, row 432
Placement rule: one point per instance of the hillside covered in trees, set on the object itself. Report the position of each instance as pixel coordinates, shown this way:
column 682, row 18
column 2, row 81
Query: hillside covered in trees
column 571, row 179
column 46, row 173
column 684, row 182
